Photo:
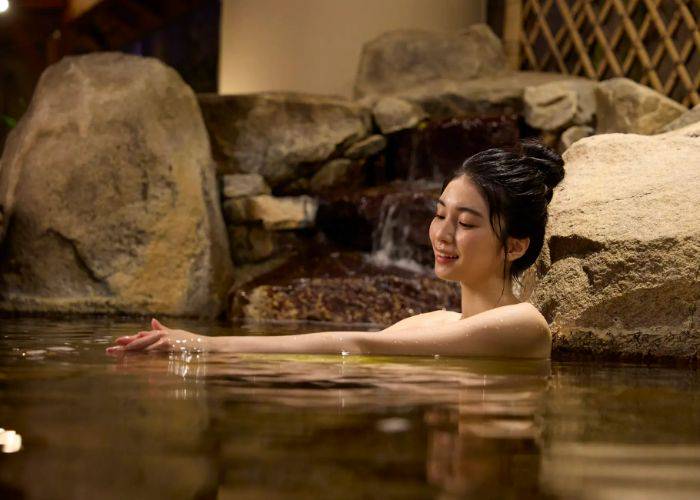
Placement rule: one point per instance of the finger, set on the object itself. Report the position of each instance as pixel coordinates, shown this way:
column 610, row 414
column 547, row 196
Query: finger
column 126, row 339
column 115, row 350
column 144, row 341
column 161, row 345
column 157, row 325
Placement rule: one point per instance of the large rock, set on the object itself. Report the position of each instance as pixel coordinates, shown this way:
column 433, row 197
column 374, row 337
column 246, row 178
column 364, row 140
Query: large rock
column 109, row 183
column 555, row 105
column 405, row 58
column 626, row 106
column 280, row 135
column 623, row 246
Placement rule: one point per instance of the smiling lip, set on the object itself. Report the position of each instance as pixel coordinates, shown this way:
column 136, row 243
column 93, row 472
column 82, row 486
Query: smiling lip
column 444, row 258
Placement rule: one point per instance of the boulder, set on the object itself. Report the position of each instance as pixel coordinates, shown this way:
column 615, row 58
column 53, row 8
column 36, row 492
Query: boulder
column 340, row 287
column 109, row 183
column 393, row 114
column 403, row 59
column 366, row 147
column 573, row 134
column 340, row 172
column 626, row 106
column 687, row 118
column 555, row 105
column 239, row 185
column 280, row 135
column 275, row 212
column 623, row 244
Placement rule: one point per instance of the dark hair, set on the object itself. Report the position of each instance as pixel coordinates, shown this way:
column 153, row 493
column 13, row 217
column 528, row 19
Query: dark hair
column 517, row 184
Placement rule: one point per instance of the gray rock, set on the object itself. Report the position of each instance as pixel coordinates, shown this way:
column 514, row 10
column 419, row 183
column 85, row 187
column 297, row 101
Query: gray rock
column 110, row 186
column 573, row 134
column 555, row 105
column 687, row 118
column 393, row 114
column 402, row 59
column 623, row 244
column 366, row 147
column 238, row 185
column 277, row 135
column 275, row 212
column 339, row 172
column 628, row 107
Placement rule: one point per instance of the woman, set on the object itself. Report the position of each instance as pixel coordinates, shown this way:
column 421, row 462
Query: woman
column 488, row 228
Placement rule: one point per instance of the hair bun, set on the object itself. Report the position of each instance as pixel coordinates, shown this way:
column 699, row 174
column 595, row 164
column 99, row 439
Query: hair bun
column 544, row 159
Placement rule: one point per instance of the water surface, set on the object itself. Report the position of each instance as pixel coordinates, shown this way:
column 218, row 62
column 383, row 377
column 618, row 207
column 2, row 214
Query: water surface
column 267, row 427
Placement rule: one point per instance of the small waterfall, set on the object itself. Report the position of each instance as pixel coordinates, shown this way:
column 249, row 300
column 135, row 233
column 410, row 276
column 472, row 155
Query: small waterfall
column 401, row 237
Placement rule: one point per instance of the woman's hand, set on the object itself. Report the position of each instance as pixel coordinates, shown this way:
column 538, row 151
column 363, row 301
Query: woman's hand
column 160, row 339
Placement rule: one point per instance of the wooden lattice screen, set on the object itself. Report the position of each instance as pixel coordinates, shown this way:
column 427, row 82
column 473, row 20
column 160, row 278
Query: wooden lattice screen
column 654, row 42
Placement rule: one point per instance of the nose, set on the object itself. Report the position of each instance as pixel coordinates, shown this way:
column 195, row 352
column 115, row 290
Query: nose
column 445, row 232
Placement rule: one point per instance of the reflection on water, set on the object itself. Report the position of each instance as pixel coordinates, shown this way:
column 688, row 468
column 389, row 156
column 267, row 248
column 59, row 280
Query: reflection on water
column 253, row 426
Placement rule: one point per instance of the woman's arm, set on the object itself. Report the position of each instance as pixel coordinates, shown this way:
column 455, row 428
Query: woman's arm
column 509, row 331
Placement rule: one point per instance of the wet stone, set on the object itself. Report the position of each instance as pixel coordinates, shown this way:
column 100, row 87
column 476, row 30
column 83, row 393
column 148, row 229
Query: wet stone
column 436, row 150
column 341, row 287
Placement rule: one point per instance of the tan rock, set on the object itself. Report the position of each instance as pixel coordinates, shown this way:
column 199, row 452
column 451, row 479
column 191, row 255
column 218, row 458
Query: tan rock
column 628, row 107
column 339, row 172
column 277, row 134
column 402, row 59
column 623, row 246
column 393, row 114
column 275, row 212
column 239, row 185
column 555, row 105
column 109, row 183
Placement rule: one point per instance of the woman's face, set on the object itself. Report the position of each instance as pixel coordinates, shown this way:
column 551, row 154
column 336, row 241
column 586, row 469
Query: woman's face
column 465, row 245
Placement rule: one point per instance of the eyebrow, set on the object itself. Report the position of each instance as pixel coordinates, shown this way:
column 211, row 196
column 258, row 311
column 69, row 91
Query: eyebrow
column 463, row 209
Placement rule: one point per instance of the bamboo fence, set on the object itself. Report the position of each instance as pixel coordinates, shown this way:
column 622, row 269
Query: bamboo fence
column 654, row 42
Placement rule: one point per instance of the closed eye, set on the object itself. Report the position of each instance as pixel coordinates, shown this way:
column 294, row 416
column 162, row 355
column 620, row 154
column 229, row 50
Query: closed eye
column 468, row 226
column 438, row 216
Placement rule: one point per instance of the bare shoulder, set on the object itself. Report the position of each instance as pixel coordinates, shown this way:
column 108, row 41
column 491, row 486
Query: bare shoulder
column 523, row 316
column 425, row 319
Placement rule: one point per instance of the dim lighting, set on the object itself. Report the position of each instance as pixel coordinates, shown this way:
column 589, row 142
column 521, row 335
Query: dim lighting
column 4, row 6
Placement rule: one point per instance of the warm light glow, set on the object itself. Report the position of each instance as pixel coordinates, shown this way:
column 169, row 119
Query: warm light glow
column 4, row 6
column 10, row 441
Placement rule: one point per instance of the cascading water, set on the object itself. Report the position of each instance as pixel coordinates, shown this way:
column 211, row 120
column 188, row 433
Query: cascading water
column 401, row 237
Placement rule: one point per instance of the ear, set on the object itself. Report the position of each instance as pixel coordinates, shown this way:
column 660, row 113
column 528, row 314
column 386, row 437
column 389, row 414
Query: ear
column 516, row 248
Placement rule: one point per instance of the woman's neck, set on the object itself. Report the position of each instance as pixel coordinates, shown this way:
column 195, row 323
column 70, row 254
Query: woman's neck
column 479, row 299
